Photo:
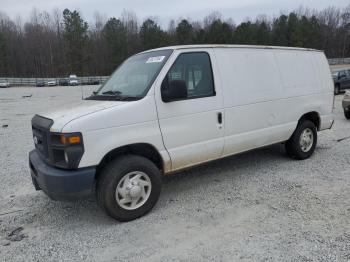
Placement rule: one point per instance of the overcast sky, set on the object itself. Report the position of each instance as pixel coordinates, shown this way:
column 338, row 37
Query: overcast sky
column 165, row 10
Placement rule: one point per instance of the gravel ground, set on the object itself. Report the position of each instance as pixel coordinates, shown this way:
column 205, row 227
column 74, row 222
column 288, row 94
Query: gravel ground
column 256, row 206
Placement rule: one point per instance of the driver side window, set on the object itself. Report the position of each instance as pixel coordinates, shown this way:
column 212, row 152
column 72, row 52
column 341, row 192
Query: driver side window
column 195, row 71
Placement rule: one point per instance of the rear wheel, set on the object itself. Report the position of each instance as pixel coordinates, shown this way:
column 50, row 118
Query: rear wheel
column 129, row 187
column 347, row 114
column 302, row 143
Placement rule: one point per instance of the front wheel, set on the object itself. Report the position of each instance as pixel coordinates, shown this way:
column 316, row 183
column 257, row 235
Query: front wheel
column 302, row 143
column 128, row 187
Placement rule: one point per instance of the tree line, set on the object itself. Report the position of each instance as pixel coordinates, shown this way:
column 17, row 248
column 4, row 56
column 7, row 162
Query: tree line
column 61, row 43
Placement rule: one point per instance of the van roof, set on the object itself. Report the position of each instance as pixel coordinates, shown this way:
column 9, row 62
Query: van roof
column 176, row 47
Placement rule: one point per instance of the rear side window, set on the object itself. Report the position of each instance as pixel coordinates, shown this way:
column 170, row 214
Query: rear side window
column 196, row 71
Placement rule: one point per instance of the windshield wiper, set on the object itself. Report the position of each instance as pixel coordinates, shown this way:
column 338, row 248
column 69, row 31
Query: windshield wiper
column 111, row 92
column 117, row 95
column 127, row 98
column 113, row 97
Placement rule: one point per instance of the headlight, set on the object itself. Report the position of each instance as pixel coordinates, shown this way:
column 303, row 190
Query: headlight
column 66, row 149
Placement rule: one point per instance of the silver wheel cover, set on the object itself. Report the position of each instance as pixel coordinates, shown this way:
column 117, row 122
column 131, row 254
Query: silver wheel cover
column 306, row 140
column 133, row 190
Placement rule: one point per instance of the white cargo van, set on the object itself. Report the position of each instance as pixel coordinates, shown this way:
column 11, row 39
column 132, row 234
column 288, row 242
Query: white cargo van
column 172, row 108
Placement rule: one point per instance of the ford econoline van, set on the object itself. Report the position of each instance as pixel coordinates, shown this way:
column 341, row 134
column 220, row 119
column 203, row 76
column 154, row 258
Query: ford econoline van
column 172, row 108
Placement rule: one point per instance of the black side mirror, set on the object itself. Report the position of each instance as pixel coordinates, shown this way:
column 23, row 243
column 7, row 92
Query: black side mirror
column 173, row 90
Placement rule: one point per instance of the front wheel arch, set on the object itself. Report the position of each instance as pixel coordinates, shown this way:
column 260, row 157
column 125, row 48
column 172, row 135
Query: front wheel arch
column 139, row 149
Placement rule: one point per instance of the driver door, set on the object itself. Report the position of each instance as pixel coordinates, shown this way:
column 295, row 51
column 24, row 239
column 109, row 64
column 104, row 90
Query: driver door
column 192, row 127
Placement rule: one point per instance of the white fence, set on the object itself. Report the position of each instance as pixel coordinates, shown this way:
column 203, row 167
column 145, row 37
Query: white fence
column 339, row 61
column 85, row 80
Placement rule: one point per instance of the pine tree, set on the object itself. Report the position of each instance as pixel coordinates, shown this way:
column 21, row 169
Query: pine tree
column 151, row 35
column 279, row 31
column 116, row 36
column 75, row 36
column 3, row 64
column 184, row 33
column 219, row 33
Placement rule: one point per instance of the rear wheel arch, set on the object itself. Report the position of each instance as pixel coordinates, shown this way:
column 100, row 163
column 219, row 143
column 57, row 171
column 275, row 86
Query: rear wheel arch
column 140, row 149
column 313, row 116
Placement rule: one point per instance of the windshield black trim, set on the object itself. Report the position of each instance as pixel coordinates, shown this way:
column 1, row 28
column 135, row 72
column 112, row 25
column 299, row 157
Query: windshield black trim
column 115, row 98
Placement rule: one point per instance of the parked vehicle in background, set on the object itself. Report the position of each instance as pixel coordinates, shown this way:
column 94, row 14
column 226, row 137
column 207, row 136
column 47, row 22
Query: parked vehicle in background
column 52, row 82
column 91, row 81
column 346, row 104
column 341, row 80
column 94, row 82
column 4, row 84
column 172, row 108
column 73, row 80
column 63, row 82
column 40, row 83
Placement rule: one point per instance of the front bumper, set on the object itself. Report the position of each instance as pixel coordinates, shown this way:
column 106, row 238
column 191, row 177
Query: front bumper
column 59, row 184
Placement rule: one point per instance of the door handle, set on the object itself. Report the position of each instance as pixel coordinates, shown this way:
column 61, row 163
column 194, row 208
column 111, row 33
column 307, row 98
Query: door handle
column 219, row 117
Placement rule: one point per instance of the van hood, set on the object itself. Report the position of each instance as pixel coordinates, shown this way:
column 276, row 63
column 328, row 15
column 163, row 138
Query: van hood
column 63, row 115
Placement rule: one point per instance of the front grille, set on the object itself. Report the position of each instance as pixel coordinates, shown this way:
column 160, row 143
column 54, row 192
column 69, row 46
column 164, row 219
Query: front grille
column 41, row 134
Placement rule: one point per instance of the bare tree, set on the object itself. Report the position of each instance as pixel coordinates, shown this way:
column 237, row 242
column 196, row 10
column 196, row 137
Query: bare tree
column 51, row 45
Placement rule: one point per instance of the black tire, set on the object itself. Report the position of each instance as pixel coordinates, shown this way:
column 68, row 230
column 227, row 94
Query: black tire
column 347, row 114
column 293, row 145
column 337, row 89
column 112, row 174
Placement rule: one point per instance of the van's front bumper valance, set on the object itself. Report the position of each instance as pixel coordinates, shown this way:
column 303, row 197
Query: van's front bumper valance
column 61, row 184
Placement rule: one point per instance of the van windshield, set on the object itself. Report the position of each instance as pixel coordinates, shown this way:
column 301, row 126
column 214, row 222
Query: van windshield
column 132, row 80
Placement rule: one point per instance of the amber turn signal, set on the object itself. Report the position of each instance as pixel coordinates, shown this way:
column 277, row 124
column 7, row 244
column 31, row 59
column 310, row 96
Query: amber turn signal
column 70, row 139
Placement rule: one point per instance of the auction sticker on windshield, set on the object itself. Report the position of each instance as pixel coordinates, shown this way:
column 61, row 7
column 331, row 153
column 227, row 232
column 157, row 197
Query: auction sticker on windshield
column 155, row 59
